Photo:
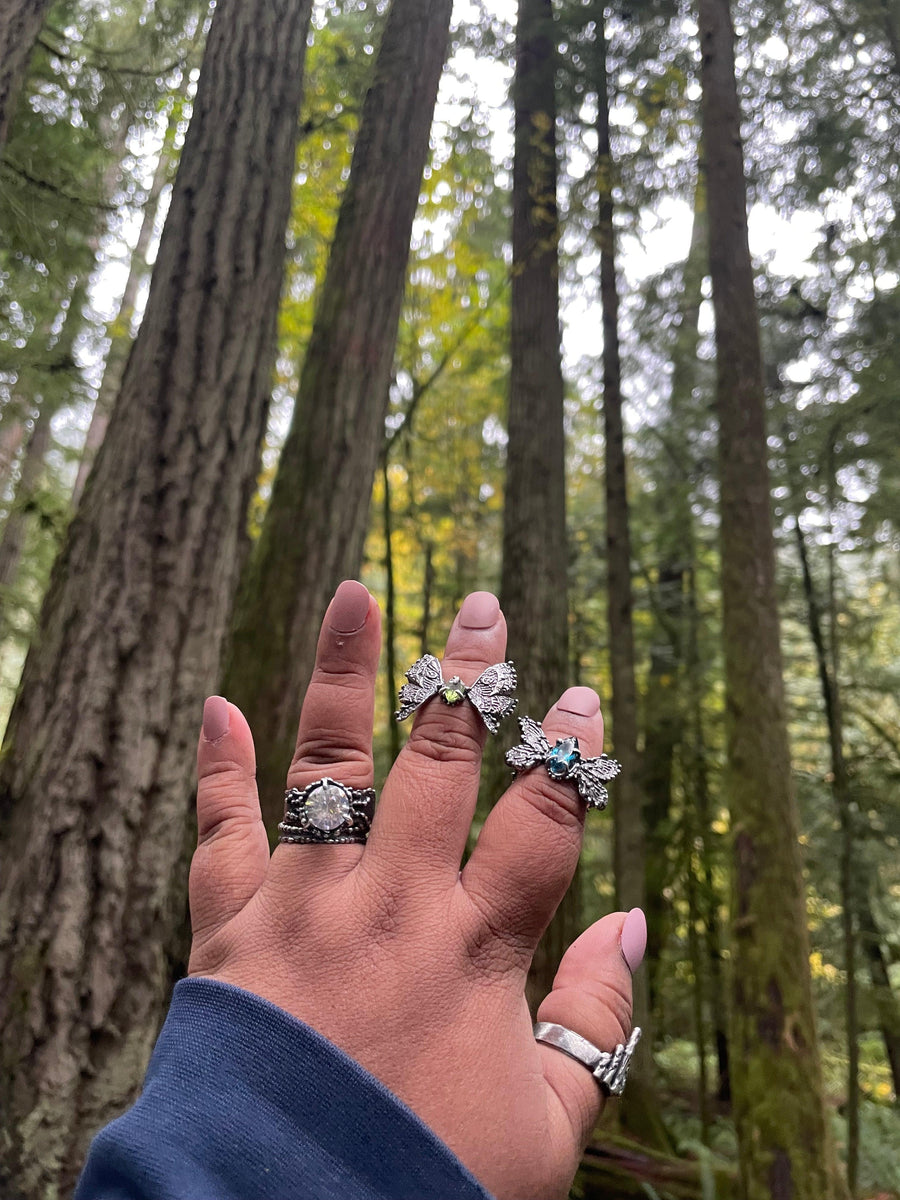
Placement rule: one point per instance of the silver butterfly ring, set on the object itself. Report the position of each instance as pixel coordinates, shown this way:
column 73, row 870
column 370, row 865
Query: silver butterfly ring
column 564, row 762
column 490, row 693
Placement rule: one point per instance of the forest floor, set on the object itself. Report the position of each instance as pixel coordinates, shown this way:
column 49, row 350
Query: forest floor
column 617, row 1166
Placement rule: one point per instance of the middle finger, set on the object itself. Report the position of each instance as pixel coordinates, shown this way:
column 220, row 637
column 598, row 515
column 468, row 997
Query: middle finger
column 428, row 800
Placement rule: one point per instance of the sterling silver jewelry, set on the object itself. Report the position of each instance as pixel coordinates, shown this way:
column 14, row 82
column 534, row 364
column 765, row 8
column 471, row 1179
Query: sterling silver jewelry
column 564, row 762
column 610, row 1070
column 327, row 812
column 489, row 693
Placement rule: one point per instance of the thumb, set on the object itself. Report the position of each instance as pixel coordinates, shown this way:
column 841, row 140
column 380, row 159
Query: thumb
column 232, row 854
column 592, row 997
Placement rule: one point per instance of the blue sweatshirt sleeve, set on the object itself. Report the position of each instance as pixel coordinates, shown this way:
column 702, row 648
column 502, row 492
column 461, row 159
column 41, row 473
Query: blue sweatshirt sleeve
column 244, row 1102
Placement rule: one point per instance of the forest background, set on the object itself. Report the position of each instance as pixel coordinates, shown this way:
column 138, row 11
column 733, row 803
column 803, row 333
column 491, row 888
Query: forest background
column 406, row 416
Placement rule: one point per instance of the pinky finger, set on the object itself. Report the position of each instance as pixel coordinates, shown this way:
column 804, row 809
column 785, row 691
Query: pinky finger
column 592, row 997
column 232, row 854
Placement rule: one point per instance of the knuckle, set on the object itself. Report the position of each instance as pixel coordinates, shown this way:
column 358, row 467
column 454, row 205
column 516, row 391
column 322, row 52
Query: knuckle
column 382, row 911
column 615, row 999
column 328, row 748
column 231, row 820
column 491, row 948
column 223, row 774
column 467, row 656
column 444, row 743
column 341, row 673
column 555, row 802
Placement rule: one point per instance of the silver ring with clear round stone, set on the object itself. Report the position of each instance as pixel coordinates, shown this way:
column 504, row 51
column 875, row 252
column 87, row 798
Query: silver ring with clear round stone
column 326, row 812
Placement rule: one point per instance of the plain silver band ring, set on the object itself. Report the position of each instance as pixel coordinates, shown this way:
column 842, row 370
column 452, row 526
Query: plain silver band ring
column 609, row 1069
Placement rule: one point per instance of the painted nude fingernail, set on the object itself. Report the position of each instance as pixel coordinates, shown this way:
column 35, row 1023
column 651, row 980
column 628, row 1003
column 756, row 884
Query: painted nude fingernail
column 480, row 610
column 215, row 718
column 633, row 939
column 582, row 701
column 349, row 607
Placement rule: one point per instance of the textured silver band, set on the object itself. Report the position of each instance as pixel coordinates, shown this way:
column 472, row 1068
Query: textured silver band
column 327, row 813
column 609, row 1069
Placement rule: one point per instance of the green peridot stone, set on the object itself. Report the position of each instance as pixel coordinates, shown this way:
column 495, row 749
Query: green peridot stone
column 453, row 691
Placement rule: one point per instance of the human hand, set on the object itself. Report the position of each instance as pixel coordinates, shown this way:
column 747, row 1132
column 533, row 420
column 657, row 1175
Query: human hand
column 413, row 969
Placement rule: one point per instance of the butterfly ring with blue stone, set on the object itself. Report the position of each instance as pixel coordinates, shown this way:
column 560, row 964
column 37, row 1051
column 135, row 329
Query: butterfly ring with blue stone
column 490, row 693
column 564, row 762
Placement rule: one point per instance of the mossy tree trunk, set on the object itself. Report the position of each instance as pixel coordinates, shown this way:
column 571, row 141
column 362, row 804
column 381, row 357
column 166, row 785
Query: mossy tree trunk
column 775, row 1072
column 96, row 778
column 316, row 522
column 666, row 718
column 533, row 585
column 826, row 663
column 629, row 847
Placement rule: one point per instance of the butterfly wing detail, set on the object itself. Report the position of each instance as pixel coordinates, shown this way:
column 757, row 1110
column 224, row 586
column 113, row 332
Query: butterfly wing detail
column 591, row 775
column 533, row 748
column 425, row 681
column 490, row 694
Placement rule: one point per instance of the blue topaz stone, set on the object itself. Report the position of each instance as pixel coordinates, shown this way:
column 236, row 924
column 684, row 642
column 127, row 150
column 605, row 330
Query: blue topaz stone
column 563, row 757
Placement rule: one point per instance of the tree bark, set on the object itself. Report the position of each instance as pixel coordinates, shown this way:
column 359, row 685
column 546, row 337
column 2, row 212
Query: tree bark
column 666, row 716
column 315, row 526
column 534, row 586
column 60, row 347
column 390, row 606
column 775, row 1072
column 840, row 788
column 12, row 435
column 15, row 528
column 886, row 1004
column 120, row 328
column 20, row 24
column 96, row 777
column 629, row 857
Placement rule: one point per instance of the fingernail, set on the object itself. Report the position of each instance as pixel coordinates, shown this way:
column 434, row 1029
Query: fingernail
column 349, row 607
column 633, row 939
column 215, row 718
column 480, row 610
column 582, row 701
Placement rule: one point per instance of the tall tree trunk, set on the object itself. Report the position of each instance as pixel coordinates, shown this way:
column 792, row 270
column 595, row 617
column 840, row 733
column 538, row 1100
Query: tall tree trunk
column 840, row 788
column 15, row 528
column 886, row 1003
column 533, row 586
column 22, row 511
column 12, row 435
column 96, row 776
column 775, row 1071
column 665, row 707
column 427, row 589
column 390, row 605
column 628, row 817
column 698, row 792
column 20, row 24
column 309, row 543
column 120, row 327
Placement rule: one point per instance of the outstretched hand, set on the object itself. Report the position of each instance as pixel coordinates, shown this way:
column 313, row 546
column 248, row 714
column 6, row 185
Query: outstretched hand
column 413, row 969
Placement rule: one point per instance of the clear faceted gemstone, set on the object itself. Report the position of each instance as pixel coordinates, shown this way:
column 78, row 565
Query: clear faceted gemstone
column 563, row 757
column 327, row 807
